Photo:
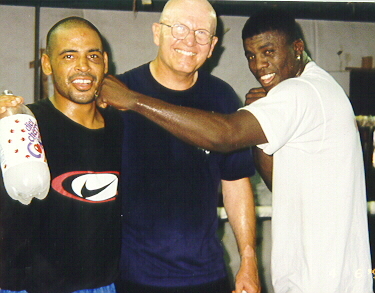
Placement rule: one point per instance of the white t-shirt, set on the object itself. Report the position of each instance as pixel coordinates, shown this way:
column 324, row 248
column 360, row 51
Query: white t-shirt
column 319, row 222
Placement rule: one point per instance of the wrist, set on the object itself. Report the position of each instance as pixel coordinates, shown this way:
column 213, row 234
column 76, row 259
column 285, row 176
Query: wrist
column 248, row 252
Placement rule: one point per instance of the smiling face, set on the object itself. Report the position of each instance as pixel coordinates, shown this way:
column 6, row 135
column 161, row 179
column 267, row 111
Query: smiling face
column 271, row 58
column 184, row 56
column 77, row 63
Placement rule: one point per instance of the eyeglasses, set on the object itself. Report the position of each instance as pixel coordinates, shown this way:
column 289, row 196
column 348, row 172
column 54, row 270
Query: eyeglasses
column 181, row 31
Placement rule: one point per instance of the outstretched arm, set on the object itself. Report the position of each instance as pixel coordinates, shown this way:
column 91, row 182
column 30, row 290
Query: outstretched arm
column 212, row 131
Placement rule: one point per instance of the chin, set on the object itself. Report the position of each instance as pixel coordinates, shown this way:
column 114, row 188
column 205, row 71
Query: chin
column 267, row 88
column 83, row 100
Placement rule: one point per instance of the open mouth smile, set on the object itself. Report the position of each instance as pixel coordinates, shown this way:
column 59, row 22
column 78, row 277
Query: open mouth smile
column 186, row 53
column 267, row 78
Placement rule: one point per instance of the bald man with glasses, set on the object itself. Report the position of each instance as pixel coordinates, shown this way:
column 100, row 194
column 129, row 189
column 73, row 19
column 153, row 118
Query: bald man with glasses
column 169, row 241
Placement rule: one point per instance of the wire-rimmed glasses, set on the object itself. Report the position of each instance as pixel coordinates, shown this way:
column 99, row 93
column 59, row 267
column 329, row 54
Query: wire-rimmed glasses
column 181, row 31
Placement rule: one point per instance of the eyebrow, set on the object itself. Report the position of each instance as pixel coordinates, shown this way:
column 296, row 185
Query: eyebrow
column 76, row 51
column 266, row 45
column 260, row 48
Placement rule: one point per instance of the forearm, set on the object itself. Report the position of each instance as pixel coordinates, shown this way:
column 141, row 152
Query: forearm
column 264, row 166
column 212, row 131
column 240, row 207
column 239, row 204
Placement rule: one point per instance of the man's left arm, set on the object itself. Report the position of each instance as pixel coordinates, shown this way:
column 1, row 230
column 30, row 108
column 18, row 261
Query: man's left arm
column 240, row 207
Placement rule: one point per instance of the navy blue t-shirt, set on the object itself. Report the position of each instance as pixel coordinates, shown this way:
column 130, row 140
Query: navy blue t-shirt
column 171, row 189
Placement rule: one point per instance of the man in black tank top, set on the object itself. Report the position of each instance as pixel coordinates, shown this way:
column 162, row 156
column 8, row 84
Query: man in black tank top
column 70, row 241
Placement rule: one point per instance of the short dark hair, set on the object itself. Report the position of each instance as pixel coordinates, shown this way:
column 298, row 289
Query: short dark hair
column 70, row 22
column 272, row 19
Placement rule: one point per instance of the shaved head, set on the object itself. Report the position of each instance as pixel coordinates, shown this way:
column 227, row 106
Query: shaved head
column 203, row 6
column 67, row 23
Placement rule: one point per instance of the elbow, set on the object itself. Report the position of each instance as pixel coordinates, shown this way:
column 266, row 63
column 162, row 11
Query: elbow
column 226, row 142
column 224, row 133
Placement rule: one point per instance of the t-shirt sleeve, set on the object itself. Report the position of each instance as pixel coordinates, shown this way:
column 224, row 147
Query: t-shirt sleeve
column 288, row 114
column 237, row 165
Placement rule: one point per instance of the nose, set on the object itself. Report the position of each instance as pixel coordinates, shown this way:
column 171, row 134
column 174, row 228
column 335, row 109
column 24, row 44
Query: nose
column 190, row 38
column 82, row 64
column 261, row 62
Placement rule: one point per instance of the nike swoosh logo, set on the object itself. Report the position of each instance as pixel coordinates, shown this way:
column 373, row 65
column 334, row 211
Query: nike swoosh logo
column 87, row 186
column 85, row 192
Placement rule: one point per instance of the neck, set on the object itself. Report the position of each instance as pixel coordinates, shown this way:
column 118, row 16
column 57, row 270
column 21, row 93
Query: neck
column 173, row 80
column 86, row 115
column 304, row 60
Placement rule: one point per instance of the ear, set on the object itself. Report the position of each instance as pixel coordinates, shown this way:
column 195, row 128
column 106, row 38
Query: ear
column 156, row 27
column 105, row 56
column 299, row 47
column 212, row 45
column 46, row 64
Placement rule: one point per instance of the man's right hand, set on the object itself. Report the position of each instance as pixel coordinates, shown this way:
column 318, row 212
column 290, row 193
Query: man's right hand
column 9, row 101
column 254, row 94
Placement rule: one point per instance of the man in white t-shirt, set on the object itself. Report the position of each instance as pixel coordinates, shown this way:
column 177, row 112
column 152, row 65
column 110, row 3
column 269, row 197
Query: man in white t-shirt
column 305, row 120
